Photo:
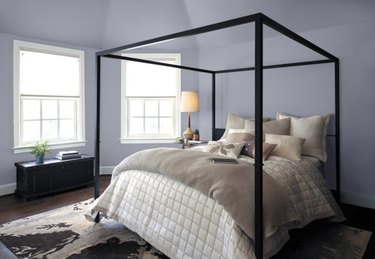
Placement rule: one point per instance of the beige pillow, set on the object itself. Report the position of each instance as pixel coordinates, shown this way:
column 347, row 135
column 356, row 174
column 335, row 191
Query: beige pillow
column 236, row 122
column 239, row 136
column 232, row 150
column 314, row 130
column 288, row 147
column 281, row 127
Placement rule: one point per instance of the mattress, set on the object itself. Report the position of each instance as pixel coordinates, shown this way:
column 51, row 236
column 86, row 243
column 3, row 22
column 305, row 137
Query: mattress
column 183, row 223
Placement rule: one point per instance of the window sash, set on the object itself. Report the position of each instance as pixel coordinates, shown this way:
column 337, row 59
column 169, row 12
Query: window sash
column 147, row 117
column 127, row 136
column 41, row 119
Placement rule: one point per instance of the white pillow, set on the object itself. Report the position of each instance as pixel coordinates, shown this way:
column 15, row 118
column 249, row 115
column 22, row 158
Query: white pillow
column 232, row 150
column 288, row 147
column 314, row 130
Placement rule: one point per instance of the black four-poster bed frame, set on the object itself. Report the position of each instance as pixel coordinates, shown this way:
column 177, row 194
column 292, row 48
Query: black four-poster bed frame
column 259, row 19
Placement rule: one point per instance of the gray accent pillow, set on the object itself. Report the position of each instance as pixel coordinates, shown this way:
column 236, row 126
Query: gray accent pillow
column 249, row 150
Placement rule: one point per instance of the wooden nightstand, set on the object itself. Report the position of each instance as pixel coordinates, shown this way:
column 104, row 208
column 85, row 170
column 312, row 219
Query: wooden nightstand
column 35, row 180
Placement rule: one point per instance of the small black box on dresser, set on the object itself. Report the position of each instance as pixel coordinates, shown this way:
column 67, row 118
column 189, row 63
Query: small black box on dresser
column 53, row 176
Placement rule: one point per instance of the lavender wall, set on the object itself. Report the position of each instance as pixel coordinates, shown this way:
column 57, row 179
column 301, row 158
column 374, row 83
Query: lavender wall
column 303, row 91
column 7, row 156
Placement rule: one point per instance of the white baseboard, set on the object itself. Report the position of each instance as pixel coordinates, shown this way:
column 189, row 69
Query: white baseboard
column 6, row 189
column 362, row 200
column 106, row 170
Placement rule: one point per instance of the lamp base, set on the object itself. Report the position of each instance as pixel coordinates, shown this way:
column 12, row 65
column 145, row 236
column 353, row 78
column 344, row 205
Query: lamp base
column 188, row 134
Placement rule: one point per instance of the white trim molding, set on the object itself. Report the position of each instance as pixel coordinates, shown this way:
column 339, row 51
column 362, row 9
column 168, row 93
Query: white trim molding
column 106, row 170
column 7, row 189
column 358, row 199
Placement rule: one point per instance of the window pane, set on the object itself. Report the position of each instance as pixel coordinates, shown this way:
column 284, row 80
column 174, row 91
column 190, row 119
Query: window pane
column 151, row 107
column 49, row 109
column 67, row 129
column 166, row 108
column 136, row 126
column 150, row 80
column 166, row 126
column 67, row 109
column 49, row 129
column 31, row 109
column 48, row 74
column 151, row 126
column 31, row 130
column 136, row 108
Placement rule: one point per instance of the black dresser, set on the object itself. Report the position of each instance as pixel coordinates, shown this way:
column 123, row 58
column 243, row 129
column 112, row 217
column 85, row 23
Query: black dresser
column 35, row 180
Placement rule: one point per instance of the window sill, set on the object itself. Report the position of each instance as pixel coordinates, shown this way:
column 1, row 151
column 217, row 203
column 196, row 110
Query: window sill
column 148, row 141
column 27, row 149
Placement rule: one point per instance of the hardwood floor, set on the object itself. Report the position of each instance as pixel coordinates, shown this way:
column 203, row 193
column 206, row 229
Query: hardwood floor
column 12, row 208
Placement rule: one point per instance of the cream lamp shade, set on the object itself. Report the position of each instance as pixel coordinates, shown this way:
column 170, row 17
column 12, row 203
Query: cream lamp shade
column 189, row 103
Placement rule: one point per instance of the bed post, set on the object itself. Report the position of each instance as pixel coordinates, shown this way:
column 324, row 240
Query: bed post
column 213, row 105
column 258, row 188
column 337, row 129
column 97, row 137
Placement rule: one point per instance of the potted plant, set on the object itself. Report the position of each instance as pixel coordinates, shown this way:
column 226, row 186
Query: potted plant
column 39, row 150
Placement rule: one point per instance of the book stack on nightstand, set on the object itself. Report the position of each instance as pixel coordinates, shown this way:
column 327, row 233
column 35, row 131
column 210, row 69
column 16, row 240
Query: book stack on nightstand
column 64, row 155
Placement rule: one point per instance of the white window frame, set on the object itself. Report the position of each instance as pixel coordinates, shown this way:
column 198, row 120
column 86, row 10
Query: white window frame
column 125, row 139
column 19, row 46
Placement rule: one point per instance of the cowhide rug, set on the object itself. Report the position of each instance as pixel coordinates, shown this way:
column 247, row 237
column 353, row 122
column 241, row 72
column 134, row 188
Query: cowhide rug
column 65, row 233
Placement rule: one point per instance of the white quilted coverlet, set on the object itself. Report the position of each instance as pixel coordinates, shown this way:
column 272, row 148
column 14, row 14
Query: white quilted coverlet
column 183, row 223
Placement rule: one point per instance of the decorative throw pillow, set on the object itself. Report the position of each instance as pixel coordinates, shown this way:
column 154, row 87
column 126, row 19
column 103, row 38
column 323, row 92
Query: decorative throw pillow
column 232, row 150
column 281, row 127
column 236, row 122
column 288, row 147
column 239, row 136
column 314, row 130
column 249, row 149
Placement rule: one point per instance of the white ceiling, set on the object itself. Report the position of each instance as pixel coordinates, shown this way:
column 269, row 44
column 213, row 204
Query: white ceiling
column 109, row 23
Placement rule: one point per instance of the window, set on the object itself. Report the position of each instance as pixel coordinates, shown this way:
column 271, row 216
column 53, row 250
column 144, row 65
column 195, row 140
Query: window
column 48, row 95
column 150, row 99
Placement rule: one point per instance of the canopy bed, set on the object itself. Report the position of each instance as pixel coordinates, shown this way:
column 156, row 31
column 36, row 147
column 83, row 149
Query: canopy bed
column 260, row 20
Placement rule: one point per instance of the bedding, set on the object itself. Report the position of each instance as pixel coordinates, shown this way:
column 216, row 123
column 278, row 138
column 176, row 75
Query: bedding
column 231, row 150
column 313, row 129
column 281, row 127
column 237, row 122
column 184, row 222
column 289, row 147
column 249, row 149
column 239, row 136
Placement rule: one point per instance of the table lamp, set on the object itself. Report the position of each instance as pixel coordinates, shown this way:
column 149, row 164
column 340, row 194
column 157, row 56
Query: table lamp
column 189, row 103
